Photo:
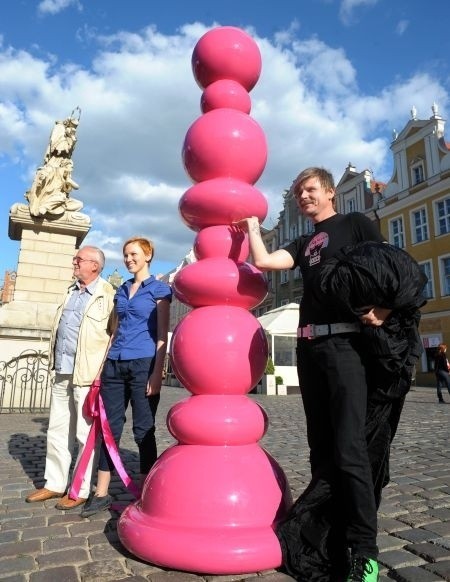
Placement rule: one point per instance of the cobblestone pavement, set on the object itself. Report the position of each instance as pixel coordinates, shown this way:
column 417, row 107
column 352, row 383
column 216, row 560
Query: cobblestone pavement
column 39, row 543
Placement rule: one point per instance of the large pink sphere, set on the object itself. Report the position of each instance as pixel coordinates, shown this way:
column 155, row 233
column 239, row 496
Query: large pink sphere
column 225, row 143
column 226, row 52
column 222, row 241
column 222, row 201
column 219, row 350
column 212, row 419
column 225, row 93
column 220, row 281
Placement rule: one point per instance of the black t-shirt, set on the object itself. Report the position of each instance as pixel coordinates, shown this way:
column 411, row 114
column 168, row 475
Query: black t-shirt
column 310, row 251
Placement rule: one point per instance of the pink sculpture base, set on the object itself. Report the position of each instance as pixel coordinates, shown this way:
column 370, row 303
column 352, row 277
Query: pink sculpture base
column 234, row 552
column 209, row 510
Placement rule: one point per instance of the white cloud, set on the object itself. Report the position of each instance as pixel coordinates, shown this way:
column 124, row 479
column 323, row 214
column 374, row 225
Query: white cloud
column 139, row 98
column 55, row 6
column 348, row 7
column 401, row 27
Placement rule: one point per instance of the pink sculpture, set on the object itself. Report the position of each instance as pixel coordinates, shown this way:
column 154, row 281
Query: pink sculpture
column 211, row 501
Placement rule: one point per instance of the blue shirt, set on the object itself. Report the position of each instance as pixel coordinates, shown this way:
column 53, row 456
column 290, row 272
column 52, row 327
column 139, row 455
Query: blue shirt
column 69, row 327
column 136, row 332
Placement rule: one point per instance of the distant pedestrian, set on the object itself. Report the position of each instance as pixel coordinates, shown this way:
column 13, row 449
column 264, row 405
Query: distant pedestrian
column 442, row 371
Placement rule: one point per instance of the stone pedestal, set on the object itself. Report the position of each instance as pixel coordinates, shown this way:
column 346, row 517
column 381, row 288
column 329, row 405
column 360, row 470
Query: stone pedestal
column 44, row 268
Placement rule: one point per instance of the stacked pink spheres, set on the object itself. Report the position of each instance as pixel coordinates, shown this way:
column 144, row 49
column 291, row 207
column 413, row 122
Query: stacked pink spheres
column 211, row 501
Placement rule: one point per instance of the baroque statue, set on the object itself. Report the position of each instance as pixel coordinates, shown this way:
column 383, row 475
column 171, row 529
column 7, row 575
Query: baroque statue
column 53, row 183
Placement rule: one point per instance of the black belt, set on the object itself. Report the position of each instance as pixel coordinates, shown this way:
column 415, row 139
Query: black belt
column 312, row 331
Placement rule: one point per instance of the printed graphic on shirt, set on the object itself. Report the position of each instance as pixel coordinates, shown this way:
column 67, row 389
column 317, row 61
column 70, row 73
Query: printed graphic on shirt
column 315, row 245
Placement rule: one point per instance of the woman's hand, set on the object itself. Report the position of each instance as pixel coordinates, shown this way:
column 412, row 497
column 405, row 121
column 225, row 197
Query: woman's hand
column 154, row 384
column 375, row 317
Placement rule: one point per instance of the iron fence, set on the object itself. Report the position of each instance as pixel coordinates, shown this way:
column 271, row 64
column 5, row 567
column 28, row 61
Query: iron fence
column 25, row 383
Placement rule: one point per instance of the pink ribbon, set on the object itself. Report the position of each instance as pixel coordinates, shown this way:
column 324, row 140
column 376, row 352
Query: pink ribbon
column 100, row 425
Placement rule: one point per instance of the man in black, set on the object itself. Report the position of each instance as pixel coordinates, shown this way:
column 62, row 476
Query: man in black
column 331, row 361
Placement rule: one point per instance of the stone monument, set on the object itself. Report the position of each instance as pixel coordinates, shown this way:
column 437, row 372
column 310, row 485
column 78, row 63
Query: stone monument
column 50, row 228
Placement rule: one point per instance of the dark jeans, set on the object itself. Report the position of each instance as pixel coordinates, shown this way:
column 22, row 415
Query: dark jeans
column 442, row 380
column 125, row 381
column 334, row 391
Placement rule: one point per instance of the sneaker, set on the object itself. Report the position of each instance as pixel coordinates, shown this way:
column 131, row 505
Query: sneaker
column 363, row 570
column 95, row 504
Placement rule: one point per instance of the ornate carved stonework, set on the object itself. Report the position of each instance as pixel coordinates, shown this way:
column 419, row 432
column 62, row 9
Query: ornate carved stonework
column 50, row 191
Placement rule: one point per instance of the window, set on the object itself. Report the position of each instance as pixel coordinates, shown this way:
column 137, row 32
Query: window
column 443, row 216
column 297, row 299
column 293, row 234
column 284, row 276
column 350, row 205
column 426, row 269
column 297, row 273
column 396, row 233
column 445, row 275
column 419, row 225
column 284, row 302
column 417, row 172
column 309, row 226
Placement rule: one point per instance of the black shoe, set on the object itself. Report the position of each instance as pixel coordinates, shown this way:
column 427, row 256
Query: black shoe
column 95, row 504
column 441, row 401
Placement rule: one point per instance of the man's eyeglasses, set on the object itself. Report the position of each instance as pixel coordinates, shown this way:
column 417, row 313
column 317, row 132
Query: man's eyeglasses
column 79, row 260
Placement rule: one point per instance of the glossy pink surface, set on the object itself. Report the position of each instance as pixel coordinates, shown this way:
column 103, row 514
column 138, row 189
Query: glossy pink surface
column 219, row 350
column 209, row 509
column 221, row 241
column 225, row 143
column 222, row 201
column 226, row 53
column 207, row 419
column 211, row 502
column 225, row 93
column 223, row 282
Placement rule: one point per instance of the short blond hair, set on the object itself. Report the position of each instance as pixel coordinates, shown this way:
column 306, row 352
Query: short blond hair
column 324, row 176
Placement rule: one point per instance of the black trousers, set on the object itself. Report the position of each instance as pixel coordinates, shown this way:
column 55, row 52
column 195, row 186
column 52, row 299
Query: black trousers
column 334, row 391
column 125, row 381
column 442, row 381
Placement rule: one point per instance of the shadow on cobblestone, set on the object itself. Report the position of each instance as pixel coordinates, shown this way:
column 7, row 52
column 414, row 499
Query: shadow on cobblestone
column 38, row 543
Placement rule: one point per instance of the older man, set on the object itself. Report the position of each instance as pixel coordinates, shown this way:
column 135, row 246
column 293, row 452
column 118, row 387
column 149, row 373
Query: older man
column 79, row 340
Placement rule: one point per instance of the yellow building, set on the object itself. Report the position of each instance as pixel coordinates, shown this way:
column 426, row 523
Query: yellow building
column 414, row 214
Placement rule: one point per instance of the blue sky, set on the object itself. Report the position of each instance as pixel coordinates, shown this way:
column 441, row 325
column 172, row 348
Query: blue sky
column 338, row 76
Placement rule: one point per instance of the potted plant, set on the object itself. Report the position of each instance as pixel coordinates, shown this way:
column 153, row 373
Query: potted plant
column 268, row 380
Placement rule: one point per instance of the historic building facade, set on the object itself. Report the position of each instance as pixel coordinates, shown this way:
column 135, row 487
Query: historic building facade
column 7, row 288
column 414, row 213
